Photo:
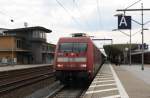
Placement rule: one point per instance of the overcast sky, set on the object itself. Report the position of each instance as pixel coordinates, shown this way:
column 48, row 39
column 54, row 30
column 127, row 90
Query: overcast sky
column 63, row 17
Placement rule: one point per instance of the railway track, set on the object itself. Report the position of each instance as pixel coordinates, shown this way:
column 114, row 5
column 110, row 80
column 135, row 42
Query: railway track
column 12, row 81
column 9, row 75
column 21, row 77
column 69, row 92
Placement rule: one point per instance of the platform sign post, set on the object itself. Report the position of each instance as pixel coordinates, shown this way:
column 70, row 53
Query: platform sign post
column 142, row 25
column 124, row 22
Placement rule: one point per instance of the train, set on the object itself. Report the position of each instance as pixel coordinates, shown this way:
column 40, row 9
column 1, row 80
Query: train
column 77, row 58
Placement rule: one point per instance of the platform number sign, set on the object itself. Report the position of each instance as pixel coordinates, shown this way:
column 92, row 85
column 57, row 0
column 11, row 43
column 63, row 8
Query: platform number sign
column 124, row 22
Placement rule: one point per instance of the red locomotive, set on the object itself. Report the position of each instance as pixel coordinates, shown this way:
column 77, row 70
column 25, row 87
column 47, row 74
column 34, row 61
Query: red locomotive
column 77, row 58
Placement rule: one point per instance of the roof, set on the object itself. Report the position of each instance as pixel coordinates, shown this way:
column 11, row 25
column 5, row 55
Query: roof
column 3, row 29
column 139, row 52
column 28, row 29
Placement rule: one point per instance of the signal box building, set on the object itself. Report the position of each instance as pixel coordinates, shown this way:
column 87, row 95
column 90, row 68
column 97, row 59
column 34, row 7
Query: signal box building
column 26, row 46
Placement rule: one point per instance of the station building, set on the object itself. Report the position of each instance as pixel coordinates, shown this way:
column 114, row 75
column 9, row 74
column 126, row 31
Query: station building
column 26, row 46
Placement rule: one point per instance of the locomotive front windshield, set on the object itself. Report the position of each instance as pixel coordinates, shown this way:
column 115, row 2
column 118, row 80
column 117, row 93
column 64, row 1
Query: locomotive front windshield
column 73, row 47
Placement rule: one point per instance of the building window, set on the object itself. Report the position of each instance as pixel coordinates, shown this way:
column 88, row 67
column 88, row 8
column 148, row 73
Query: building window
column 36, row 34
column 44, row 35
column 12, row 33
column 43, row 48
column 19, row 44
column 39, row 34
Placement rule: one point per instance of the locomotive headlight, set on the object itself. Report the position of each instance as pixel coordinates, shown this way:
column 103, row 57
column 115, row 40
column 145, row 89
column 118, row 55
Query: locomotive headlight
column 83, row 65
column 90, row 71
column 60, row 65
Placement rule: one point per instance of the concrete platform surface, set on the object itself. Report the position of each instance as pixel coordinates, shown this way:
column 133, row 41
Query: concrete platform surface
column 17, row 67
column 106, row 85
column 120, row 82
column 135, row 81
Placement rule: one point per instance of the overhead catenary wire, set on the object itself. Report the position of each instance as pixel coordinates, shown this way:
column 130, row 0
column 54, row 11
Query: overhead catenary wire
column 124, row 33
column 74, row 1
column 72, row 17
column 136, row 33
column 81, row 15
column 98, row 11
column 128, row 34
column 2, row 13
column 132, row 4
column 10, row 17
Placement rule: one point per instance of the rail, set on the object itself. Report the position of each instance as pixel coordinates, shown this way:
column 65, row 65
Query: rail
column 68, row 92
column 24, row 79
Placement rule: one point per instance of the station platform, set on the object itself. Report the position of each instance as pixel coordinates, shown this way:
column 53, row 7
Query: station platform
column 17, row 67
column 120, row 82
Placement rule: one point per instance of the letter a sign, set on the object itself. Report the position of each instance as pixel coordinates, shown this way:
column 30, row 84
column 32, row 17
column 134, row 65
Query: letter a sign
column 124, row 22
